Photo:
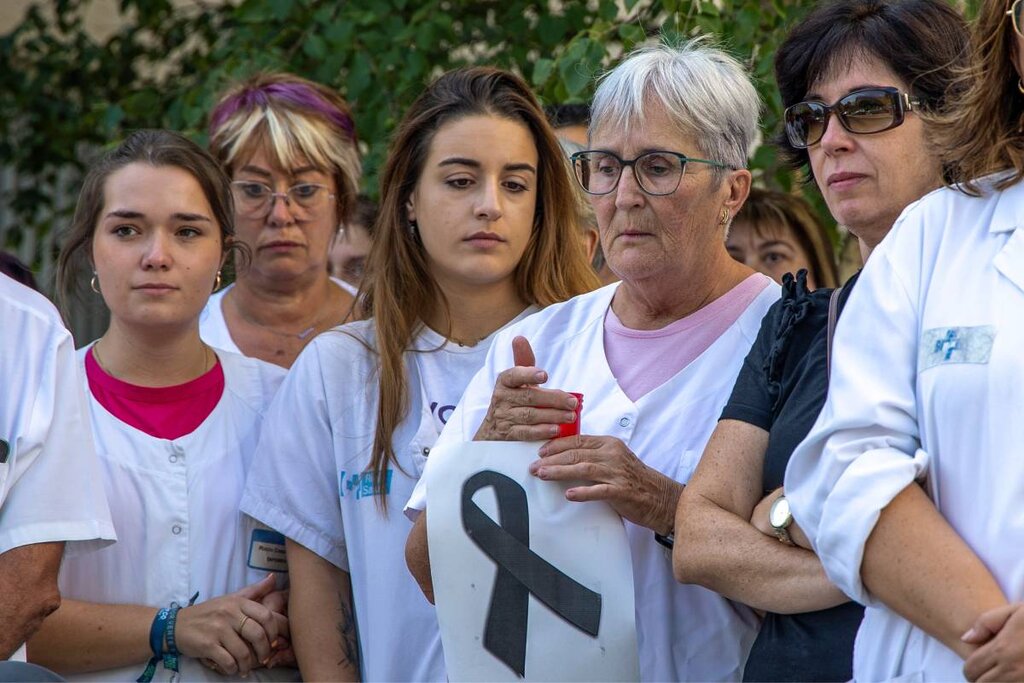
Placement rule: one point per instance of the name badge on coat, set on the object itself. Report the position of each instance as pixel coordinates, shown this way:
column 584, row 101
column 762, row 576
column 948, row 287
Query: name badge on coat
column 942, row 345
column 266, row 551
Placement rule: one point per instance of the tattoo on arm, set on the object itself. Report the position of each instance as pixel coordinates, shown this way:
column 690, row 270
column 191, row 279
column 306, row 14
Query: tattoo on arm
column 347, row 632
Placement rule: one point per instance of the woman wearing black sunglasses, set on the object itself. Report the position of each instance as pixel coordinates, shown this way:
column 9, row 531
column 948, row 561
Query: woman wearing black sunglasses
column 855, row 76
column 935, row 400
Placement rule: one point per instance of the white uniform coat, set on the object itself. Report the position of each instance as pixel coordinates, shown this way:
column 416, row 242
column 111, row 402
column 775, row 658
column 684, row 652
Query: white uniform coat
column 50, row 481
column 311, row 482
column 684, row 633
column 928, row 384
column 175, row 509
column 213, row 328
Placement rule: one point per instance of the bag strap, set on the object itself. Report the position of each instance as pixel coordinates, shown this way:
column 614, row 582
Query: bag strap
column 833, row 315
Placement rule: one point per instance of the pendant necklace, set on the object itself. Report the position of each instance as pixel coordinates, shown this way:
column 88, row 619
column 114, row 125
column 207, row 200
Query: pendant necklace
column 302, row 335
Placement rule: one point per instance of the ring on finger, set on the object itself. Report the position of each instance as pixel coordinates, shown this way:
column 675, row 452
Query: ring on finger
column 241, row 624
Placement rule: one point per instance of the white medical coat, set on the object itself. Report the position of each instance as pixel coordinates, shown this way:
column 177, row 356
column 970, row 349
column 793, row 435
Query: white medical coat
column 213, row 328
column 175, row 509
column 684, row 632
column 50, row 482
column 927, row 383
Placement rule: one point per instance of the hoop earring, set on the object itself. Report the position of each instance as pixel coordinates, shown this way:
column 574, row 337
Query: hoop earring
column 216, row 283
column 1020, row 86
column 94, row 283
column 725, row 218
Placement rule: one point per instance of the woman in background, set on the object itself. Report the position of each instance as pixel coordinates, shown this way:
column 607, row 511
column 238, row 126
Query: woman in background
column 777, row 233
column 289, row 147
column 350, row 246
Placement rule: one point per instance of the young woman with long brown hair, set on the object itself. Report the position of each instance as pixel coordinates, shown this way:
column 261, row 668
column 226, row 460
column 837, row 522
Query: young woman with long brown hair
column 476, row 230
column 175, row 424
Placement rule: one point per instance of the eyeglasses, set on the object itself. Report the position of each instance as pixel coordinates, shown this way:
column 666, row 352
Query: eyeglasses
column 256, row 200
column 657, row 173
column 1015, row 12
column 872, row 110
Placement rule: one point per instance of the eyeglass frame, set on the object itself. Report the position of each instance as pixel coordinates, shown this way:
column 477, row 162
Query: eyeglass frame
column 906, row 103
column 1013, row 18
column 623, row 163
column 283, row 195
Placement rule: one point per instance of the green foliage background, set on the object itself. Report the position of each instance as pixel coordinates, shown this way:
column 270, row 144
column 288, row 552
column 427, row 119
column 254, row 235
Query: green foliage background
column 63, row 94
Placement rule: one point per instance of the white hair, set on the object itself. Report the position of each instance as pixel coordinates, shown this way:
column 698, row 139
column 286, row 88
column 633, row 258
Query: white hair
column 704, row 91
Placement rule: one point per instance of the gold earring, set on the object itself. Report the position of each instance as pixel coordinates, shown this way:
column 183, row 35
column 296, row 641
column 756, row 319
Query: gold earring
column 94, row 283
column 1020, row 86
column 216, row 283
column 725, row 217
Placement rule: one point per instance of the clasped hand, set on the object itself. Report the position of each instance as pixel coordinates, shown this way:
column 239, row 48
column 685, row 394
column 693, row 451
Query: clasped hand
column 999, row 633
column 236, row 633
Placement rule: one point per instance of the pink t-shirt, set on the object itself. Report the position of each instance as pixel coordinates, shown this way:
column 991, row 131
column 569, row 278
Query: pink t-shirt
column 643, row 360
column 163, row 412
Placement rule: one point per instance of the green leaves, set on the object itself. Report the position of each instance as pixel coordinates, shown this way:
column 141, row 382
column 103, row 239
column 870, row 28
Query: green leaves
column 64, row 93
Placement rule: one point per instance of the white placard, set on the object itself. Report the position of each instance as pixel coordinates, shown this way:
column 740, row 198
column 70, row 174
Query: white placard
column 584, row 541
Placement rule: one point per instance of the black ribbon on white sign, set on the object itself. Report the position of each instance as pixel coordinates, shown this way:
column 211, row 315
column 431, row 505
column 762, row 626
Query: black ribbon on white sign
column 520, row 572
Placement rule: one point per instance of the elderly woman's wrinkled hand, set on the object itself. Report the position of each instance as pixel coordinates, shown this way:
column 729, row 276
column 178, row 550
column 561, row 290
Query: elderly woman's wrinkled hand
column 520, row 410
column 637, row 492
column 1000, row 633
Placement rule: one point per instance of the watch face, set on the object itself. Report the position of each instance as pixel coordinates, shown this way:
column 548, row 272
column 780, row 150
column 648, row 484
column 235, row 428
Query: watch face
column 779, row 515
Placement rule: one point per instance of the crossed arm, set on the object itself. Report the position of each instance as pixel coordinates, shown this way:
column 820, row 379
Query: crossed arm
column 719, row 546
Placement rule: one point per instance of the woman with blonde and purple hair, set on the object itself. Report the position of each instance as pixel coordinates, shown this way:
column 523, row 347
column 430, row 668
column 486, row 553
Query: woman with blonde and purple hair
column 289, row 147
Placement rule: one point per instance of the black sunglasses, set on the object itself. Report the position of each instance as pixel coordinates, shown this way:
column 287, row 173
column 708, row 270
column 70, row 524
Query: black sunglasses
column 872, row 110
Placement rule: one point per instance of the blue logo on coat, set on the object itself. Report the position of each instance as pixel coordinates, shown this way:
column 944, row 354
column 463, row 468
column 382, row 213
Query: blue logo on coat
column 945, row 345
column 360, row 484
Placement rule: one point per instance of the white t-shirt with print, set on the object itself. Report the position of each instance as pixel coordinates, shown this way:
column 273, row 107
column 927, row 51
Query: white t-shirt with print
column 311, row 481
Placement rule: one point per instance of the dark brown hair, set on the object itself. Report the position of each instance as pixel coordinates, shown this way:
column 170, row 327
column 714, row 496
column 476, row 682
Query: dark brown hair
column 156, row 148
column 982, row 129
column 400, row 292
column 923, row 42
column 766, row 208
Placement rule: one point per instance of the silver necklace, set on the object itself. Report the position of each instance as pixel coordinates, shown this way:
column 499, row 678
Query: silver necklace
column 302, row 335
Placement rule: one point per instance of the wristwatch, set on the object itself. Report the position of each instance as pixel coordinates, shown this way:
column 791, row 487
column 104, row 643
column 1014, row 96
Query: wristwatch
column 780, row 517
column 668, row 540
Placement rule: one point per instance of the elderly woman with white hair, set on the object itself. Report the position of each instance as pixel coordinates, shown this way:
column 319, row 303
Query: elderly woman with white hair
column 656, row 355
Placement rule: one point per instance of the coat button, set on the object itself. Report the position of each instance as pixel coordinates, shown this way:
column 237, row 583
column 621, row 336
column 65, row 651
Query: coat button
column 624, row 422
column 176, row 529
